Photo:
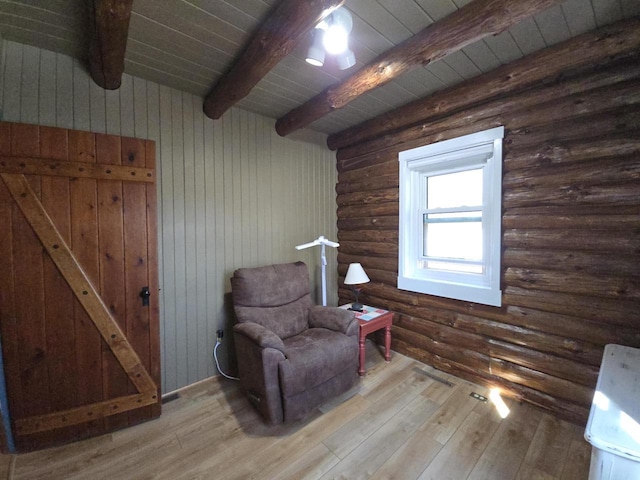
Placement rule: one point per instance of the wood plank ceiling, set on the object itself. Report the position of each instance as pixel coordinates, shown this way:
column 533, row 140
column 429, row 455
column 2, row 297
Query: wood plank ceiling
column 190, row 44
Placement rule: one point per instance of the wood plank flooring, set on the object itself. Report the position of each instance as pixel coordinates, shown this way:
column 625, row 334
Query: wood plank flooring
column 398, row 423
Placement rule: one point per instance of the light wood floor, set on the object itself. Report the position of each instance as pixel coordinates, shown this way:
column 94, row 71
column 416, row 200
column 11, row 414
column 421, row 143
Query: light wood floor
column 398, row 423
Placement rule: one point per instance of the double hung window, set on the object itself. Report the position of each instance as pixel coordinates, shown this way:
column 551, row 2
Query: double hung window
column 450, row 213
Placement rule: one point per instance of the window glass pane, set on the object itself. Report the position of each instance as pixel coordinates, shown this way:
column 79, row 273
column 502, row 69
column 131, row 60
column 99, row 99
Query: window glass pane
column 453, row 235
column 455, row 189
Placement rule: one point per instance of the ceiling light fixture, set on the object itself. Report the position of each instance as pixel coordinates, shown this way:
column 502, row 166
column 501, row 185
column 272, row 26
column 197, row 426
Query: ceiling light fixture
column 336, row 37
column 315, row 54
column 346, row 59
column 332, row 33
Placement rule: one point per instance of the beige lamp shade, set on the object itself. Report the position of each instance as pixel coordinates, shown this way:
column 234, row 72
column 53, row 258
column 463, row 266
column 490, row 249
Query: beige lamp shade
column 356, row 275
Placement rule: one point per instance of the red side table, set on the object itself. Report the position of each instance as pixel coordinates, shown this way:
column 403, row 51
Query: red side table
column 372, row 319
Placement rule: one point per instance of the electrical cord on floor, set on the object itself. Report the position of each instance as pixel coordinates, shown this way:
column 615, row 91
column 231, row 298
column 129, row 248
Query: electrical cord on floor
column 215, row 356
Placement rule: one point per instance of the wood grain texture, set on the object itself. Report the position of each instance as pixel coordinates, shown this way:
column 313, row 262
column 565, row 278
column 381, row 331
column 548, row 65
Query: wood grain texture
column 188, row 46
column 57, row 167
column 108, row 41
column 570, row 231
column 60, row 253
column 79, row 415
column 55, row 215
column 220, row 222
column 84, row 241
column 152, row 262
column 560, row 100
column 10, row 338
column 112, row 269
column 474, row 21
column 61, row 342
column 136, row 263
column 397, row 423
column 288, row 24
column 613, row 40
column 29, row 294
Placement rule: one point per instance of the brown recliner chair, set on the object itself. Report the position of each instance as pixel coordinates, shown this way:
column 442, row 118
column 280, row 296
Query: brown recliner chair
column 292, row 355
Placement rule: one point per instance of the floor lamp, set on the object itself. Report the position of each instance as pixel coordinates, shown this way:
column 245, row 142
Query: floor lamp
column 323, row 260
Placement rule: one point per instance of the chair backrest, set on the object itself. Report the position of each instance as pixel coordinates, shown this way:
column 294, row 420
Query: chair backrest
column 278, row 297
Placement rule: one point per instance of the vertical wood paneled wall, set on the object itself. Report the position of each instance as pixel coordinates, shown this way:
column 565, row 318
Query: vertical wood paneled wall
column 231, row 193
column 571, row 237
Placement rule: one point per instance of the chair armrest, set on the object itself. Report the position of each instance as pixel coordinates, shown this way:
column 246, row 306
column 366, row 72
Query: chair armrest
column 333, row 318
column 259, row 352
column 259, row 335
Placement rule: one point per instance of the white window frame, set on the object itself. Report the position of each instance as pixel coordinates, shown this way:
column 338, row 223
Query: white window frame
column 482, row 149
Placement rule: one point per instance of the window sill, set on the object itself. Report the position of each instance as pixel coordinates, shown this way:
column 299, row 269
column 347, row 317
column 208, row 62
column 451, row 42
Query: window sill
column 468, row 293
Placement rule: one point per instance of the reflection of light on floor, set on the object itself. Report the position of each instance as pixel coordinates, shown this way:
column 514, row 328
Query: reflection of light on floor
column 601, row 400
column 501, row 407
column 630, row 426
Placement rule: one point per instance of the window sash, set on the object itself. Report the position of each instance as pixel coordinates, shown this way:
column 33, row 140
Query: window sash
column 475, row 162
column 481, row 150
column 453, row 219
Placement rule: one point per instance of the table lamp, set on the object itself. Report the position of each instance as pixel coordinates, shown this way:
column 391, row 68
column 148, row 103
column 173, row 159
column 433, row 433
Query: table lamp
column 355, row 276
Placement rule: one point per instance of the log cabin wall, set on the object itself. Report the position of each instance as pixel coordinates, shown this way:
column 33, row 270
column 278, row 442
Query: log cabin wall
column 571, row 235
column 231, row 193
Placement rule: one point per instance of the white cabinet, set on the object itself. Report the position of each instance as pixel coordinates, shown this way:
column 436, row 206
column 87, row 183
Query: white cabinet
column 613, row 428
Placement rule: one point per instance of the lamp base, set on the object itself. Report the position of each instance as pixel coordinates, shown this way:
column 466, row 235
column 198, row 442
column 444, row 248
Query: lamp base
column 356, row 307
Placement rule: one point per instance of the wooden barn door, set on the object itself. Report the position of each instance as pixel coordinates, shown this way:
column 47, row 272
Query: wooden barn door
column 77, row 248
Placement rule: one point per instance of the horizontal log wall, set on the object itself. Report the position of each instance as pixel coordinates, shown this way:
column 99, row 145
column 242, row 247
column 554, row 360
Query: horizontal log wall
column 571, row 237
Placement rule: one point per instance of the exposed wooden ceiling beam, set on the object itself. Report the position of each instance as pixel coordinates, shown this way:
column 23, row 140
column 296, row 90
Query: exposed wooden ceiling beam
column 274, row 40
column 619, row 39
column 474, row 21
column 110, row 22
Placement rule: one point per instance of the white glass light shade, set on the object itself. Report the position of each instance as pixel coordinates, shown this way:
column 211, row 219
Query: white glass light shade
column 356, row 275
column 346, row 59
column 336, row 37
column 335, row 40
column 315, row 54
column 342, row 17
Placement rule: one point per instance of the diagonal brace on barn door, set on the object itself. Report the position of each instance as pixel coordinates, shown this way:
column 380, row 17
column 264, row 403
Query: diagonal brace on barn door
column 88, row 297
